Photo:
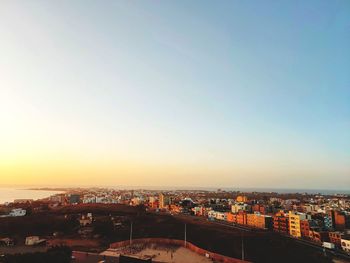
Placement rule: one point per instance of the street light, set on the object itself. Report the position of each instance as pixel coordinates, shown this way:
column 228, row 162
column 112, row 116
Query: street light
column 242, row 245
column 185, row 234
column 130, row 233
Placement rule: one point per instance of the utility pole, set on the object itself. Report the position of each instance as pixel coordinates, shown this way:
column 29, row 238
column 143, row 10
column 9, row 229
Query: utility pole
column 130, row 233
column 185, row 234
column 242, row 245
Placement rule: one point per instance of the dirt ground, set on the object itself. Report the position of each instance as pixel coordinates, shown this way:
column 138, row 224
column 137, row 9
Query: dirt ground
column 164, row 254
column 180, row 255
column 22, row 249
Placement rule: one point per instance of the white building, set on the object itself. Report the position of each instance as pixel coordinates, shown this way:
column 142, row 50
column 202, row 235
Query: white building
column 34, row 240
column 217, row 215
column 345, row 244
column 235, row 208
column 18, row 212
column 89, row 199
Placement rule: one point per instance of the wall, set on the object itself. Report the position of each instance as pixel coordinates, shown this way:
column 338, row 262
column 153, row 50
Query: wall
column 190, row 246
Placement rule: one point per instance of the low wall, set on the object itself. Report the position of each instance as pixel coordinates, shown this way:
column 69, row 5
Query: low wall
column 190, row 246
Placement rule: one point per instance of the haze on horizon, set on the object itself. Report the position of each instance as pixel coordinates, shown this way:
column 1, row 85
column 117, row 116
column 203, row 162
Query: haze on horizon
column 156, row 93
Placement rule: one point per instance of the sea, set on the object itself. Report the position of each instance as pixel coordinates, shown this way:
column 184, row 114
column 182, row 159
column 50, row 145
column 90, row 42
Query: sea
column 11, row 194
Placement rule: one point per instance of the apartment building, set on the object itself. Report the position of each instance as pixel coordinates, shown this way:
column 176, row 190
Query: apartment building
column 294, row 222
column 281, row 223
column 259, row 221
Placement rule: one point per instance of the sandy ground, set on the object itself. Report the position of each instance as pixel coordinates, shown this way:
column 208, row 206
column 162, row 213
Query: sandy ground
column 171, row 255
column 178, row 256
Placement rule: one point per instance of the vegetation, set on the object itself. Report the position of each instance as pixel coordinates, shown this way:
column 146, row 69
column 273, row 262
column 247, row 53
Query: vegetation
column 53, row 255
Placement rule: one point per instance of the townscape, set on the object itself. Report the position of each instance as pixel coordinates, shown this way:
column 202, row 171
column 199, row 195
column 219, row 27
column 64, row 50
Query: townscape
column 316, row 221
column 174, row 131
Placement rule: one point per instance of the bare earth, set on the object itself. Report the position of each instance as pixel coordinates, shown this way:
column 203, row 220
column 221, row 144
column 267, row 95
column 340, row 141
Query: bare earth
column 166, row 255
column 22, row 249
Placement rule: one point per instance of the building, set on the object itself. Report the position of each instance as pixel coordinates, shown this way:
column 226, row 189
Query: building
column 318, row 236
column 34, row 240
column 18, row 212
column 60, row 198
column 340, row 220
column 294, row 222
column 262, row 209
column 345, row 243
column 86, row 220
column 259, row 221
column 200, row 211
column 241, row 199
column 328, row 223
column 335, row 238
column 241, row 218
column 7, row 242
column 74, row 199
column 237, row 207
column 232, row 218
column 217, row 215
column 164, row 201
column 23, row 201
column 305, row 227
column 281, row 223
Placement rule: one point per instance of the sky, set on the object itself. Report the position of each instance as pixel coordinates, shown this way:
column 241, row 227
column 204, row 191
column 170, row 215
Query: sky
column 175, row 93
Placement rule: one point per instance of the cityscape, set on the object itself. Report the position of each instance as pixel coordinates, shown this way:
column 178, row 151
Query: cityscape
column 175, row 131
column 105, row 224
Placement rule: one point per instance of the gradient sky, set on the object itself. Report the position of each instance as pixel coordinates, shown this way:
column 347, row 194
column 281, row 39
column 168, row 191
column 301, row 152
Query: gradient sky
column 175, row 93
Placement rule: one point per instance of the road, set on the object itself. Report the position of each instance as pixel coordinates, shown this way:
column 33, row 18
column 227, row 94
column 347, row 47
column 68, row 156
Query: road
column 194, row 219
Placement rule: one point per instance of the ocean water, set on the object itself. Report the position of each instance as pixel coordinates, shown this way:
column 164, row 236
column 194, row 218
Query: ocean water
column 10, row 194
column 241, row 189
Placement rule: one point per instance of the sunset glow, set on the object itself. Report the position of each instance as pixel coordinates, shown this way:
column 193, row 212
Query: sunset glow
column 159, row 101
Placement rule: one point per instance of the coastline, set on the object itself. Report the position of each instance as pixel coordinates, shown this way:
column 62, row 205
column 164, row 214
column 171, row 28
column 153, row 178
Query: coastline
column 9, row 195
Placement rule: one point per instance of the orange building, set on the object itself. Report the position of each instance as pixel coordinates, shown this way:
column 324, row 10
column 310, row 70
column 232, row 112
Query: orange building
column 241, row 218
column 340, row 220
column 318, row 236
column 259, row 221
column 260, row 209
column 305, row 227
column 232, row 218
column 281, row 223
column 335, row 238
column 241, row 199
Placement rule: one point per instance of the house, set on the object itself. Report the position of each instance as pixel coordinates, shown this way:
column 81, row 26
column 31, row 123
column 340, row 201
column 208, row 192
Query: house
column 86, row 220
column 7, row 242
column 34, row 240
column 18, row 212
column 345, row 243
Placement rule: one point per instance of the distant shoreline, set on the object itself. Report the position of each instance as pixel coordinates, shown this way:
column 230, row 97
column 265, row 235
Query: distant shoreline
column 58, row 189
column 209, row 189
column 9, row 195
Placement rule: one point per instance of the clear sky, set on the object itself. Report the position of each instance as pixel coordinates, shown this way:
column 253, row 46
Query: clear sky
column 175, row 93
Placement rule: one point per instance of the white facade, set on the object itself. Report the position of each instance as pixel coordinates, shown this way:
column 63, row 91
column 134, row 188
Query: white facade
column 239, row 207
column 345, row 245
column 33, row 240
column 217, row 215
column 18, row 212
